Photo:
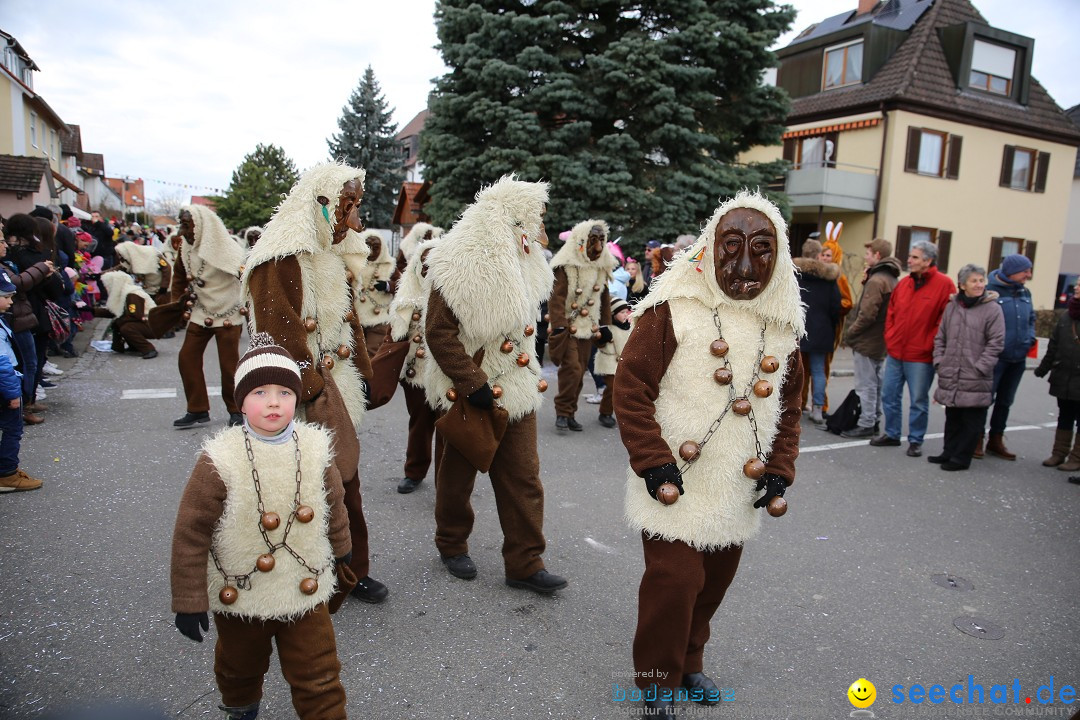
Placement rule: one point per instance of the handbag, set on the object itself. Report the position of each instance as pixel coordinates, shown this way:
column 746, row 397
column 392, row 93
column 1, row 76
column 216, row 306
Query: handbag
column 474, row 432
column 385, row 371
column 59, row 329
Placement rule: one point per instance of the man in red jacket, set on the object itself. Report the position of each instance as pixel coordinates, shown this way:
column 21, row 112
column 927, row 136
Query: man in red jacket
column 915, row 311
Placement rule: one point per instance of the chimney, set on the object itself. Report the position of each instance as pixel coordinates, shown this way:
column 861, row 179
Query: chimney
column 865, row 6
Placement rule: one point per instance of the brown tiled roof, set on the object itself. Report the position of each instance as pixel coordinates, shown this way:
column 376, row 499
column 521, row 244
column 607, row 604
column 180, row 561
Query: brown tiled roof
column 414, row 126
column 917, row 77
column 21, row 174
column 71, row 141
column 94, row 162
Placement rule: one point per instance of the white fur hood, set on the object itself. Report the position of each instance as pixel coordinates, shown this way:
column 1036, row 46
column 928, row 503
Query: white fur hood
column 573, row 251
column 415, row 238
column 214, row 244
column 119, row 285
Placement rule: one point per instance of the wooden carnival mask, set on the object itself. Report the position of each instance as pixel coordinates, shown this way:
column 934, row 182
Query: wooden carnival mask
column 347, row 212
column 744, row 253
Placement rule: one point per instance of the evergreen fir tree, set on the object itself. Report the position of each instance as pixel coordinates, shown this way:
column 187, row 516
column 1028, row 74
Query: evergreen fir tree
column 257, row 186
column 633, row 111
column 367, row 141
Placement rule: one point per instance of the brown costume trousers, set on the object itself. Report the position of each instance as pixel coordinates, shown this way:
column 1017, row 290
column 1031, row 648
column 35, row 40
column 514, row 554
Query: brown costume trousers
column 572, row 375
column 607, row 403
column 421, row 431
column 307, row 651
column 191, row 364
column 519, row 498
column 680, row 591
column 134, row 332
column 373, row 337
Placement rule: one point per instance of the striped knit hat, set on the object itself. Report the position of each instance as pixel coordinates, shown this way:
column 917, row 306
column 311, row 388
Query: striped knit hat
column 266, row 365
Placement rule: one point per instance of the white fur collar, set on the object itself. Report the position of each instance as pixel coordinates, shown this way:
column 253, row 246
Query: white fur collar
column 214, row 244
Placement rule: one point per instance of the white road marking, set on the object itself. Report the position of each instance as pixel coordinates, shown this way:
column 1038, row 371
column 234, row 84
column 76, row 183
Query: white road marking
column 163, row 393
column 600, row 546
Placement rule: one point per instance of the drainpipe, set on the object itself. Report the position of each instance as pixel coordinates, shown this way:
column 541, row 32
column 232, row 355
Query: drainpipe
column 881, row 168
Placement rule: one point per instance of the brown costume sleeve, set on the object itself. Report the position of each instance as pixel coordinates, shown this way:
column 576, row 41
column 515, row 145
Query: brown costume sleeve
column 277, row 298
column 399, row 268
column 200, row 509
column 140, row 306
column 178, row 282
column 645, row 359
column 338, row 531
column 441, row 330
column 361, row 359
column 102, row 312
column 605, row 306
column 786, row 444
column 557, row 303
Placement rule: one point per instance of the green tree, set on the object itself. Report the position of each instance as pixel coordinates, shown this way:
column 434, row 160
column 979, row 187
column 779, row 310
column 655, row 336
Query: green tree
column 633, row 111
column 366, row 140
column 257, row 187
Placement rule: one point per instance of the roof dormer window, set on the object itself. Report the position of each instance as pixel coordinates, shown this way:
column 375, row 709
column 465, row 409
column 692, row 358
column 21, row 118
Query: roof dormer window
column 843, row 65
column 992, row 67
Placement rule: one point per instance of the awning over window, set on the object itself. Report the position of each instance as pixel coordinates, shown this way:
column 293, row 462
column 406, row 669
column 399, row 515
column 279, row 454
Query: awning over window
column 825, row 129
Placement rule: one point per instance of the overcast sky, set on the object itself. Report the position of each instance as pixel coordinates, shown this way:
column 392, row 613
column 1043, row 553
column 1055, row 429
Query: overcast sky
column 178, row 95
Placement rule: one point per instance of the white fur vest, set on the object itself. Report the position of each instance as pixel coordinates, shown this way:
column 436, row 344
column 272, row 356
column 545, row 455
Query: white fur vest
column 372, row 306
column 237, row 540
column 607, row 355
column 218, row 297
column 406, row 314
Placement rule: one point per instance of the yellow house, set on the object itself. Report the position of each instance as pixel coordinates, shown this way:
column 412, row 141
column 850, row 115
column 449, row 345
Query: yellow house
column 915, row 119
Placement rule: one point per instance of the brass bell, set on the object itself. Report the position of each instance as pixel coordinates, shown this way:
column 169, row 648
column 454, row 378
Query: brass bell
column 542, row 386
column 719, row 348
column 451, row 395
column 590, row 302
column 547, row 317
column 770, row 364
column 208, row 322
column 668, row 494
column 741, row 406
column 578, row 291
column 507, row 346
column 753, row 468
column 189, row 303
column 310, row 324
column 584, row 312
column 410, row 372
column 595, row 328
column 305, row 514
column 190, row 278
column 349, row 275
column 722, row 376
column 226, row 323
column 416, row 317
column 573, row 329
column 496, row 392
column 573, row 306
column 523, row 359
column 420, row 352
column 689, row 451
column 349, row 316
column 328, row 362
column 309, row 586
column 377, row 311
column 777, row 506
column 596, row 288
column 343, row 351
column 185, row 316
column 228, row 595
column 362, row 298
column 417, row 339
column 244, row 311
column 270, row 520
column 763, row 388
column 265, row 562
column 529, row 330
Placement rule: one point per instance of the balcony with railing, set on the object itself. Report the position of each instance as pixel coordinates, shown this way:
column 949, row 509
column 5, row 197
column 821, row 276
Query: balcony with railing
column 831, row 186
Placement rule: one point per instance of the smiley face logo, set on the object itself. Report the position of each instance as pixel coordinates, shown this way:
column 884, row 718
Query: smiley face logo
column 862, row 693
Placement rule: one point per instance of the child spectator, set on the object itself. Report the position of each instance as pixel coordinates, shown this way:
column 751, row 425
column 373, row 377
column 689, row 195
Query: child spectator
column 12, row 478
column 260, row 524
column 612, row 339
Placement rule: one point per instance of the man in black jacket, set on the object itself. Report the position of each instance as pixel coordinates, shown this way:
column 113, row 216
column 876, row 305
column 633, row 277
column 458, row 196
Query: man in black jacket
column 103, row 233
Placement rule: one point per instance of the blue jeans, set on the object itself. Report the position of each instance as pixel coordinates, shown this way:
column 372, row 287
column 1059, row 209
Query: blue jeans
column 24, row 345
column 11, row 427
column 918, row 377
column 817, row 378
column 1007, row 377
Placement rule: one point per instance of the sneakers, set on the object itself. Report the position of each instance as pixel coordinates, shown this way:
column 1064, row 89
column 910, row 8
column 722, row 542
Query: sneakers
column 190, row 419
column 817, row 415
column 39, row 395
column 18, row 481
column 595, row 399
column 48, row 384
column 540, row 581
column 51, row 369
column 460, row 566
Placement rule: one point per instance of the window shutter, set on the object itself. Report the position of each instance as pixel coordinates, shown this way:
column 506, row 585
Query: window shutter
column 911, row 162
column 903, row 243
column 996, row 245
column 789, row 150
column 944, row 241
column 1006, row 166
column 1029, row 251
column 1042, row 166
column 952, row 169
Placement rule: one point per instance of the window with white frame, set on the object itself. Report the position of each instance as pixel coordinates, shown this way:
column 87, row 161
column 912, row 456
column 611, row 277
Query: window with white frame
column 992, row 67
column 843, row 65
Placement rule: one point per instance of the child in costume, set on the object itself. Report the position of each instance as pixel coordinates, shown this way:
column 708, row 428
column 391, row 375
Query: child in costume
column 11, row 420
column 261, row 526
column 612, row 339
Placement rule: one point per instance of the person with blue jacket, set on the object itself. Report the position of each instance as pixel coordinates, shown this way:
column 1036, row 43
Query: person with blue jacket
column 12, row 478
column 1015, row 302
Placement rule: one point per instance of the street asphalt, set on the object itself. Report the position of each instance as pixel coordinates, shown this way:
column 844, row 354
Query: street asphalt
column 841, row 588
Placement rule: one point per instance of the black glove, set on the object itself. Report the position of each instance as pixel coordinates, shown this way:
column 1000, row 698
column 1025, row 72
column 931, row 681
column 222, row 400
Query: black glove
column 189, row 623
column 666, row 473
column 605, row 336
column 556, row 331
column 344, row 559
column 1040, row 372
column 382, row 286
column 482, row 398
column 773, row 485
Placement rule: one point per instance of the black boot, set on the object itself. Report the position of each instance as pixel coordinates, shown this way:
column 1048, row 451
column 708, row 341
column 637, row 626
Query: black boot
column 607, row 421
column 370, row 590
column 702, row 689
column 663, row 706
column 248, row 712
column 407, row 485
column 574, row 424
column 460, row 566
column 561, row 423
column 191, row 418
column 235, row 419
column 540, row 581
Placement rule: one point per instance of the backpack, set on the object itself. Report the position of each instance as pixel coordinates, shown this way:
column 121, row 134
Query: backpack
column 846, row 416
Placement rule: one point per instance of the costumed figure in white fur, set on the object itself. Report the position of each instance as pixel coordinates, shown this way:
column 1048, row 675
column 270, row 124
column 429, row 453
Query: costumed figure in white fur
column 129, row 305
column 298, row 292
column 251, row 235
column 262, row 541
column 206, row 276
column 609, row 349
column 707, row 401
column 148, row 266
column 419, row 233
column 580, row 305
column 371, row 287
column 487, row 277
column 406, row 324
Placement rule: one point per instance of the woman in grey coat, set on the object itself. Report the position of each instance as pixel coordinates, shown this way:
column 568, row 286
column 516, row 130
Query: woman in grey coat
column 966, row 349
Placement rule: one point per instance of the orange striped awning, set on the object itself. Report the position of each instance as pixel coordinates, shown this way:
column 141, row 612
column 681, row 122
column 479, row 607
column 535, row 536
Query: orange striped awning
column 856, row 125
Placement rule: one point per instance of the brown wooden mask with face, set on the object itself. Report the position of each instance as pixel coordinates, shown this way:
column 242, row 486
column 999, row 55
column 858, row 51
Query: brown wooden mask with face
column 347, row 212
column 744, row 253
column 374, row 243
column 187, row 227
column 594, row 245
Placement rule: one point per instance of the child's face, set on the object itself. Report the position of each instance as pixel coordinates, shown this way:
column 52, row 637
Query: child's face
column 5, row 303
column 623, row 315
column 269, row 409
